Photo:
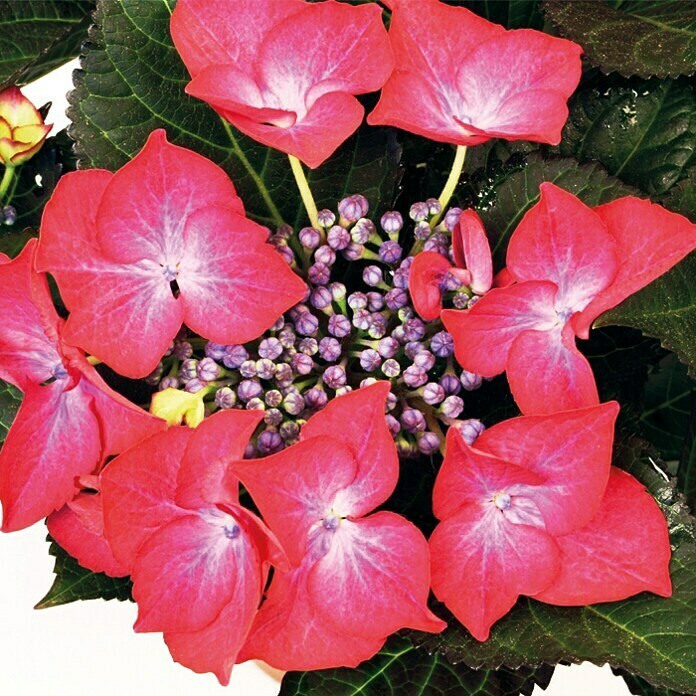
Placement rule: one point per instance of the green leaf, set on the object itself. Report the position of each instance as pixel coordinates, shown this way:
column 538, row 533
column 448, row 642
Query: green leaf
column 665, row 309
column 686, row 475
column 681, row 198
column 650, row 636
column 513, row 14
column 504, row 201
column 669, row 400
column 133, row 82
column 37, row 36
column 639, row 37
column 644, row 132
column 10, row 399
column 73, row 582
column 640, row 687
column 400, row 669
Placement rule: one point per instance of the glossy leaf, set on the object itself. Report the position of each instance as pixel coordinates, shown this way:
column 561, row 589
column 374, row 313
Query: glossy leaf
column 10, row 399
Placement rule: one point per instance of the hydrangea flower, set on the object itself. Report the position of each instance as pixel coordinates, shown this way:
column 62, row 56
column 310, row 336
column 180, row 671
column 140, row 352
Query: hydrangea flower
column 161, row 242
column 284, row 72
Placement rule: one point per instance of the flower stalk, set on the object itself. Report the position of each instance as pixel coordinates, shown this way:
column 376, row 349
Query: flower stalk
column 451, row 183
column 305, row 191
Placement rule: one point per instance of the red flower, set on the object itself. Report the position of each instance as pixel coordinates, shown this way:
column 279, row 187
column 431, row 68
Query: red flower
column 69, row 420
column 570, row 264
column 282, row 71
column 198, row 568
column 355, row 578
column 461, row 79
column 473, row 267
column 536, row 509
column 116, row 243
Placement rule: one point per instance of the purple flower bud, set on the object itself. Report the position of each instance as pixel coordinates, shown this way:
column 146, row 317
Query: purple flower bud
column 388, row 347
column 286, row 252
column 339, row 326
column 306, row 324
column 460, row 300
column 208, row 370
column 169, row 382
column 470, row 430
column 393, row 425
column 370, row 360
column 338, row 291
column 398, row 334
column 194, row 385
column 234, row 356
column 216, row 351
column 470, row 381
column 401, row 278
column 170, row 350
column 334, row 376
column 326, row 255
column 392, row 401
column 450, row 283
column 415, row 376
column 424, row 359
column 321, row 297
column 412, row 421
column 412, row 348
column 452, row 218
column 293, row 403
column 278, row 324
column 183, row 350
column 353, row 207
column 422, row 230
column 405, row 313
column 353, row 252
column 396, row 298
column 391, row 221
column 284, row 232
column 319, row 274
column 378, row 325
column 326, row 217
column 273, row 417
column 155, row 376
column 362, row 231
column 418, row 212
column 329, row 349
column 249, row 451
column 442, row 344
column 428, row 443
column 406, row 449
column 287, row 336
column 390, row 252
column 255, row 404
column 270, row 348
column 315, row 398
column 273, row 398
column 284, row 375
column 452, row 406
column 338, row 237
column 414, row 329
column 472, row 301
column 309, row 238
column 434, row 244
column 375, row 301
column 341, row 391
column 265, row 368
column 406, row 264
column 434, row 206
column 372, row 276
column 248, row 389
column 248, row 369
column 289, row 430
column 433, row 393
column 9, row 215
column 302, row 364
column 450, row 384
column 361, row 319
column 367, row 382
column 269, row 442
column 391, row 368
column 357, row 300
column 308, row 346
column 188, row 370
column 225, row 397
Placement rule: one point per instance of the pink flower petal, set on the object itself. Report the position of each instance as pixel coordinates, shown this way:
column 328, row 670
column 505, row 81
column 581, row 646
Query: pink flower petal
column 547, row 373
column 424, row 280
column 571, row 450
column 649, row 241
column 623, row 550
column 483, row 334
column 562, row 240
column 472, row 251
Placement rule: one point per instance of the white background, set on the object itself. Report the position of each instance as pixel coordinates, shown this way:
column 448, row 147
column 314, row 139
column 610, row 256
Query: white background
column 88, row 648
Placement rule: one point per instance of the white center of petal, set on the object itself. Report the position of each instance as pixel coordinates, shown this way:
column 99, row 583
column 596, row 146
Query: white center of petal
column 231, row 530
column 170, row 272
column 564, row 314
column 502, row 501
column 331, row 522
column 59, row 371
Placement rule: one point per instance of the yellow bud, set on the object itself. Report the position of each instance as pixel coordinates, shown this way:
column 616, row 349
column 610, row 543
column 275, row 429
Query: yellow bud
column 177, row 406
column 22, row 129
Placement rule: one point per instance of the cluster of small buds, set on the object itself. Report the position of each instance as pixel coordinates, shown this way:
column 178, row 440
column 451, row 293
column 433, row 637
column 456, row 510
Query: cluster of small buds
column 8, row 215
column 340, row 338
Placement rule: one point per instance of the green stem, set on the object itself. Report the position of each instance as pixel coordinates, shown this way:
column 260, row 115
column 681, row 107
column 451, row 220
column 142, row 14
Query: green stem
column 6, row 180
column 451, row 183
column 305, row 191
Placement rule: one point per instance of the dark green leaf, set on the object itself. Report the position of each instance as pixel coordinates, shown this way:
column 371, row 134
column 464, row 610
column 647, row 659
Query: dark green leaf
column 73, row 582
column 644, row 132
column 10, row 399
column 640, row 37
column 513, row 14
column 37, row 36
column 665, row 309
column 133, row 82
column 399, row 669
column 686, row 476
column 669, row 400
column 505, row 200
column 652, row 637
column 640, row 687
column 681, row 198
